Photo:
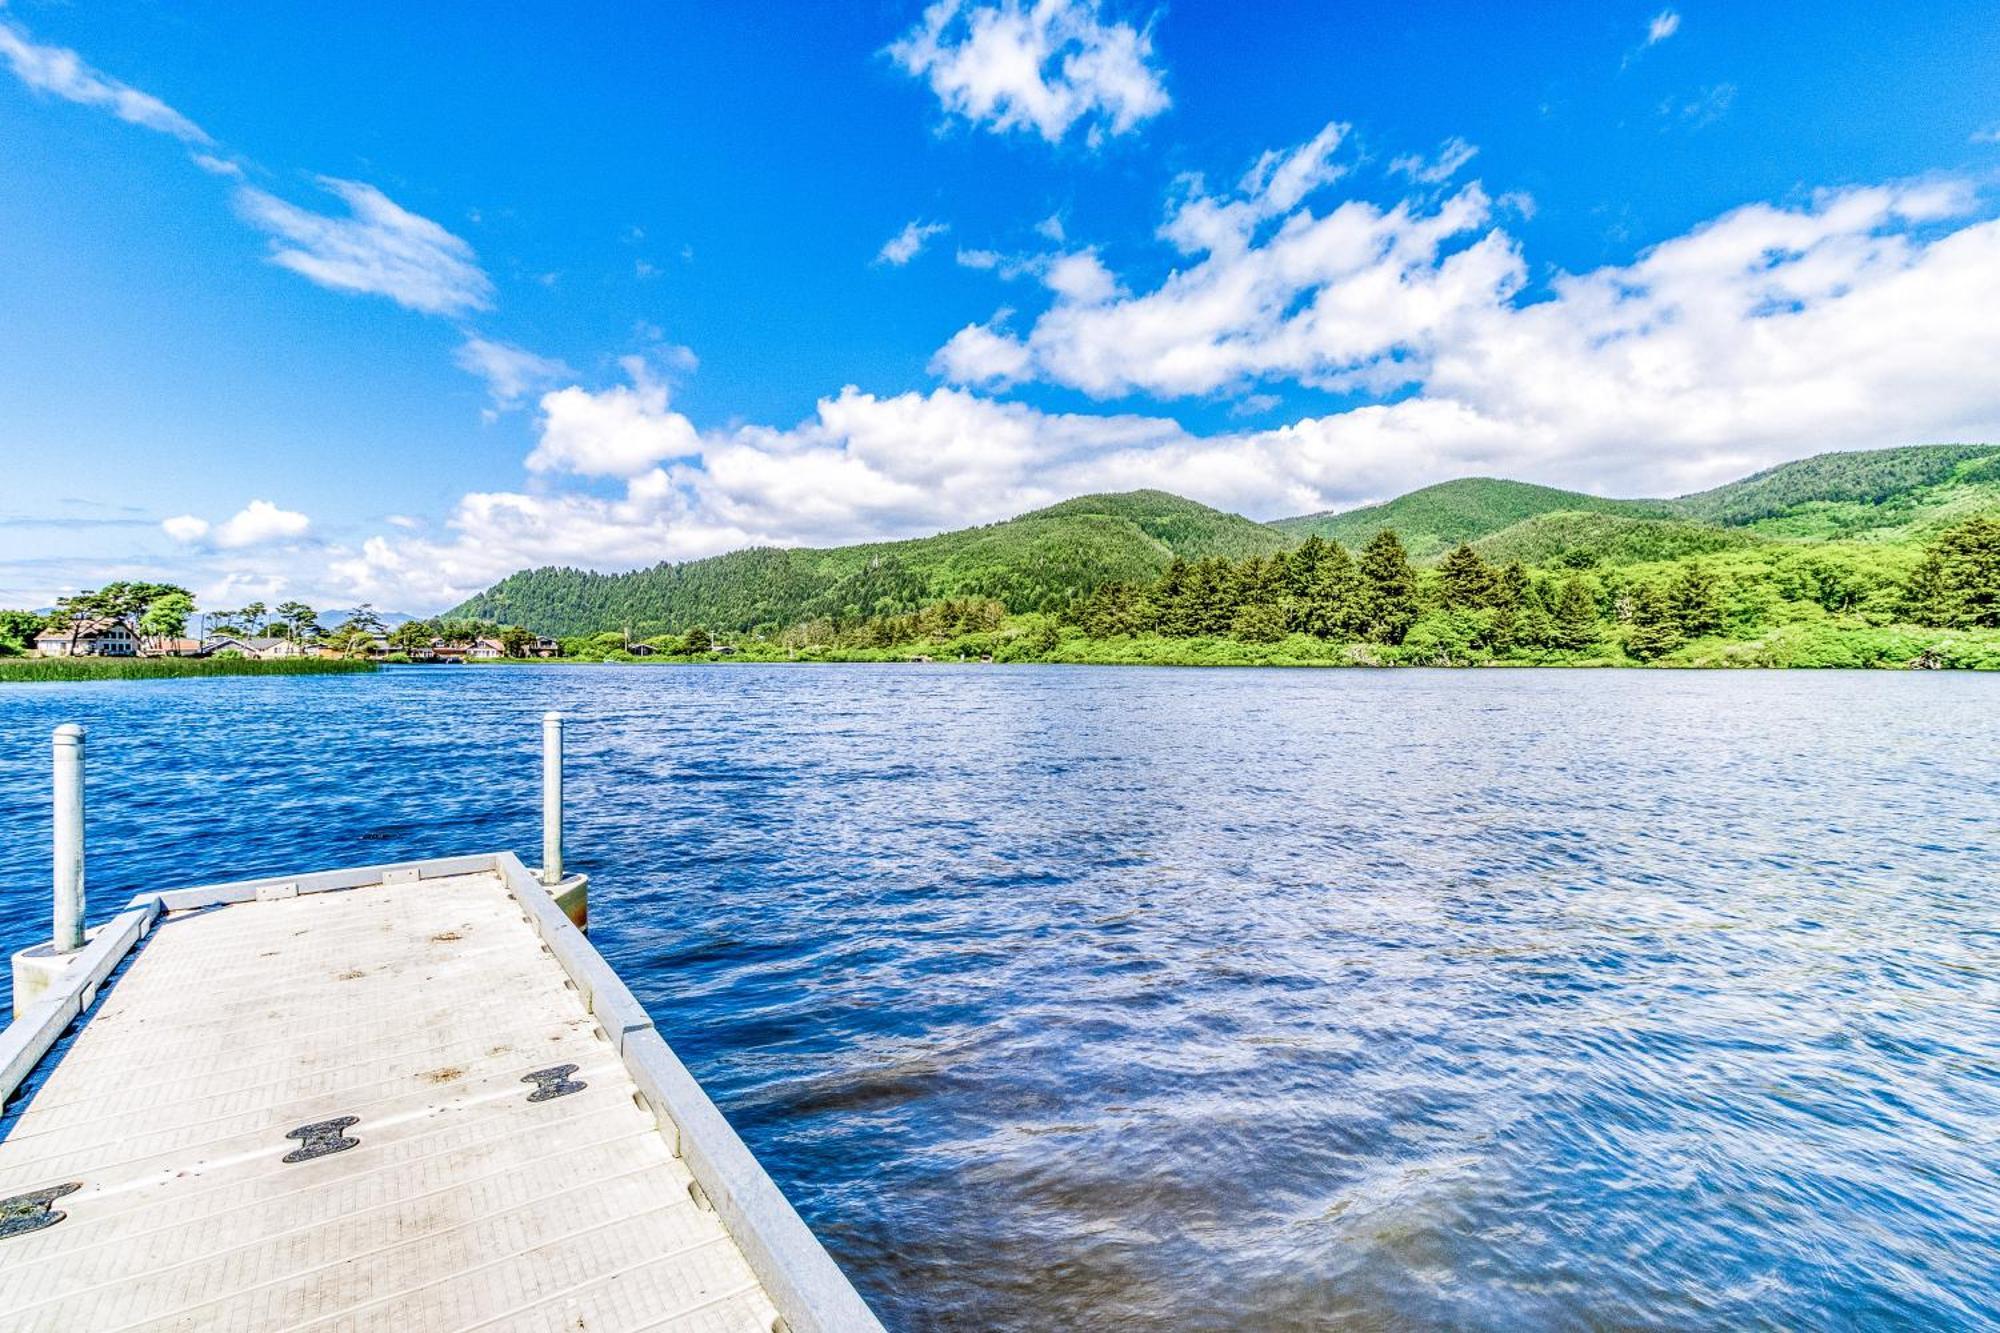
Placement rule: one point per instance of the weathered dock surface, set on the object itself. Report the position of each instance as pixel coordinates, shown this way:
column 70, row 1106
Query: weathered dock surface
column 404, row 1097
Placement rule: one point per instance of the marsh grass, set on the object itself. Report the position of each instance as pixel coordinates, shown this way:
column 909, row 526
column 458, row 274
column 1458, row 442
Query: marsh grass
column 162, row 668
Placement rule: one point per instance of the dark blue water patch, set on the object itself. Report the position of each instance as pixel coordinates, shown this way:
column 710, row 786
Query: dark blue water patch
column 1214, row 1000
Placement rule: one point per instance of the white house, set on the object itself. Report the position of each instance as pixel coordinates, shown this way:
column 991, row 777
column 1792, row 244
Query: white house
column 93, row 638
column 485, row 650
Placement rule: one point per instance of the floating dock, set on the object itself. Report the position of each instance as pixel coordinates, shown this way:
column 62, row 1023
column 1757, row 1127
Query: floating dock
column 398, row 1097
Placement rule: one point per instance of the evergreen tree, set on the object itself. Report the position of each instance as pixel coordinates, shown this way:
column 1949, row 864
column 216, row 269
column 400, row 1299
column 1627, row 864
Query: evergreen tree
column 1213, row 597
column 1302, row 569
column 1464, row 581
column 1329, row 605
column 1692, row 602
column 1259, row 622
column 1171, row 596
column 1508, row 599
column 1575, row 617
column 1971, row 554
column 1388, row 588
column 1533, row 627
column 1927, row 597
column 1655, row 628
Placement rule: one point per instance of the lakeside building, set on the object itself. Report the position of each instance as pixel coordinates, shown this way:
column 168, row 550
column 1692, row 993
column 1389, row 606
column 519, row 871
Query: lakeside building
column 486, row 650
column 261, row 648
column 109, row 637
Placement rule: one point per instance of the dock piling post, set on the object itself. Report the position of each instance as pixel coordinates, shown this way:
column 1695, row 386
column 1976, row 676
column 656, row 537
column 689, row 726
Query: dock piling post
column 68, row 936
column 552, row 798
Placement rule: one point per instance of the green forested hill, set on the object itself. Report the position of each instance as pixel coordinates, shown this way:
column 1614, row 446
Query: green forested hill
column 1035, row 562
column 1437, row 518
column 1888, row 501
column 1896, row 491
column 1612, row 539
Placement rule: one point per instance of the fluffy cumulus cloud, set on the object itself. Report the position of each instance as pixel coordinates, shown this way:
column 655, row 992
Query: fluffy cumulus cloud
column 862, row 467
column 908, row 243
column 1851, row 318
column 619, row 432
column 1042, row 67
column 258, row 523
column 62, row 73
column 1335, row 300
column 377, row 249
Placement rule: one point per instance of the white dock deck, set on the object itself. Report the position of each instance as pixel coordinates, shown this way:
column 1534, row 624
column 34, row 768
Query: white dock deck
column 419, row 1007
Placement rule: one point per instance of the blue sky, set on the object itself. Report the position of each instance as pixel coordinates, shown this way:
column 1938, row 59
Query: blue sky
column 382, row 302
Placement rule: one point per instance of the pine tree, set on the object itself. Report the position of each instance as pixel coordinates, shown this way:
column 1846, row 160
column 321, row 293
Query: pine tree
column 1971, row 553
column 1388, row 588
column 1171, row 597
column 1259, row 622
column 1927, row 598
column 1692, row 602
column 1464, row 581
column 1575, row 617
column 1324, row 604
column 1533, row 628
column 1655, row 630
column 1302, row 568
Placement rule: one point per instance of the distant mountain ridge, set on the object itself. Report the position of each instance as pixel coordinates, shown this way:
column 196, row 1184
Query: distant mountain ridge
column 1043, row 559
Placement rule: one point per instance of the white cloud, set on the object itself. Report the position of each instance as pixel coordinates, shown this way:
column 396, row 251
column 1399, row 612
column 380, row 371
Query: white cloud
column 983, row 354
column 259, row 522
column 1043, row 66
column 618, row 432
column 1987, row 134
column 511, row 373
column 1050, row 228
column 906, row 244
column 378, row 249
column 1664, row 25
column 1276, row 292
column 216, row 166
column 862, row 467
column 63, row 73
column 1452, row 155
column 185, row 528
column 256, row 524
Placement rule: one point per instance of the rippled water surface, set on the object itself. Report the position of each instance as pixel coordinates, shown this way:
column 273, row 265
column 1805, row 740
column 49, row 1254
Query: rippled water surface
column 1211, row 999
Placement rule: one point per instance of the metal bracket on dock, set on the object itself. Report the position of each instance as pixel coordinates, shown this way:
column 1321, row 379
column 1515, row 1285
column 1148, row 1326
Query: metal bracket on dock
column 33, row 1211
column 553, row 1082
column 322, row 1138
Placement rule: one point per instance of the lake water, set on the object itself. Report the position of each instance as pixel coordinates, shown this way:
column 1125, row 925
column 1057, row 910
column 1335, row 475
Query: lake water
column 1070, row 998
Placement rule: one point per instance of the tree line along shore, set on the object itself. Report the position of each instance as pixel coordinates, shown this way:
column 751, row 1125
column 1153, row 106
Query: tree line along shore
column 1320, row 604
column 1874, row 559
